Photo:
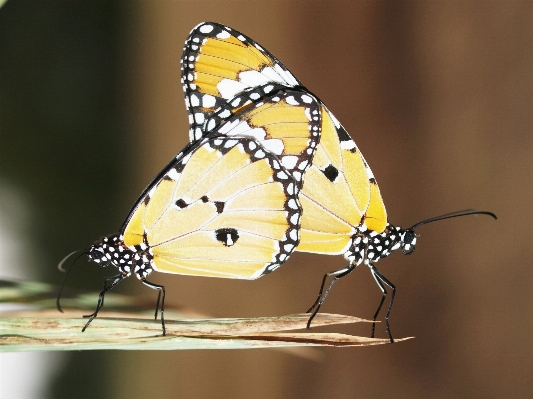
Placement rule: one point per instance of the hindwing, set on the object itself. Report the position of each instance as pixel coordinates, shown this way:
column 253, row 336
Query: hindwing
column 225, row 207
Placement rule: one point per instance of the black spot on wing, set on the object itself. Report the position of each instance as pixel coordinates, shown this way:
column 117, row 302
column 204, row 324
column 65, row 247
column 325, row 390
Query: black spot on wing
column 220, row 206
column 343, row 134
column 331, row 172
column 205, row 198
column 227, row 236
column 181, row 203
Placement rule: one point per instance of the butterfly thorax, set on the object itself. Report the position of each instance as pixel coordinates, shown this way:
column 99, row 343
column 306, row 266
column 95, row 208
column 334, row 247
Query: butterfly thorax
column 369, row 246
column 112, row 250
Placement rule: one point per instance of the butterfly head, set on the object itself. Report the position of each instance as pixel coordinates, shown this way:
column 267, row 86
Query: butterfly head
column 369, row 246
column 97, row 254
column 408, row 236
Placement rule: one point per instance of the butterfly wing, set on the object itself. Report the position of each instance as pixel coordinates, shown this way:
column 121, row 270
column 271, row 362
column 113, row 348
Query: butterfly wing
column 218, row 63
column 225, row 207
column 340, row 194
column 286, row 123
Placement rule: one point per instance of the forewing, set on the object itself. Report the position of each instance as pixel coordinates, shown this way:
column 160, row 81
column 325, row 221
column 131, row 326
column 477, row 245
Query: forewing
column 218, row 63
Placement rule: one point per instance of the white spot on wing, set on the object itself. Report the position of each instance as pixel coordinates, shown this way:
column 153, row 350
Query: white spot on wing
column 173, row 174
column 224, row 114
column 194, row 100
column 348, row 145
column 211, row 124
column 282, row 175
column 206, row 28
column 274, row 146
column 152, row 191
column 294, row 234
column 229, row 88
column 223, row 35
column 303, row 165
column 290, row 100
column 295, row 219
column 243, row 129
column 288, row 247
column 289, row 161
column 253, row 78
column 208, row 101
column 273, row 75
column 230, row 143
column 290, row 189
column 307, row 99
column 199, row 117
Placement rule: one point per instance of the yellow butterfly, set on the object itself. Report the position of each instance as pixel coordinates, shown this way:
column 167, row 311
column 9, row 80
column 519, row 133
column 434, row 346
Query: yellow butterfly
column 223, row 73
column 223, row 207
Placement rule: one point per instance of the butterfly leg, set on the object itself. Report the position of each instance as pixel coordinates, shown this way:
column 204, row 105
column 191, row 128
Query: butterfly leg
column 116, row 279
column 106, row 279
column 161, row 289
column 380, row 280
column 383, row 296
column 321, row 298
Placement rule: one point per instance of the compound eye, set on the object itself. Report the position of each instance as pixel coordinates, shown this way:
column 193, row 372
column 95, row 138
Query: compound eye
column 408, row 242
column 409, row 237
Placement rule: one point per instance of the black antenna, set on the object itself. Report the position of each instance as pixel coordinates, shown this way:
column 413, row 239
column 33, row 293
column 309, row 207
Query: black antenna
column 60, row 267
column 455, row 214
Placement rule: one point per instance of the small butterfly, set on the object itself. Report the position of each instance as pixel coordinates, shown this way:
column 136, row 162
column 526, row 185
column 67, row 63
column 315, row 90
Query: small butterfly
column 224, row 72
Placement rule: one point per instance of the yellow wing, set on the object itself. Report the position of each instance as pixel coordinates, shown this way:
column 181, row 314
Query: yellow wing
column 286, row 123
column 339, row 195
column 223, row 208
column 217, row 64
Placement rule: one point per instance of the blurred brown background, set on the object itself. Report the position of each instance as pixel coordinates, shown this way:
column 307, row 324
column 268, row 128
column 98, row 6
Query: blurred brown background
column 438, row 97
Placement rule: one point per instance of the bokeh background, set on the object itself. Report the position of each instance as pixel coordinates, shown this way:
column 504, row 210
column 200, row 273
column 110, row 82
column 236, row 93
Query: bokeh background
column 438, row 97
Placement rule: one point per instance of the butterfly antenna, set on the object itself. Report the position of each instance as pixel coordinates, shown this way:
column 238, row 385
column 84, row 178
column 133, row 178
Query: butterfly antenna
column 455, row 214
column 60, row 267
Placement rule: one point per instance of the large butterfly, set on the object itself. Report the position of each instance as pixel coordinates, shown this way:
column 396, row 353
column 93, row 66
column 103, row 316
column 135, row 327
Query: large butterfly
column 343, row 212
column 227, row 205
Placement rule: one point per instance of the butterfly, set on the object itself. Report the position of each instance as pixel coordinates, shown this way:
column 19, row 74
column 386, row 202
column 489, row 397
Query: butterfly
column 223, row 207
column 343, row 212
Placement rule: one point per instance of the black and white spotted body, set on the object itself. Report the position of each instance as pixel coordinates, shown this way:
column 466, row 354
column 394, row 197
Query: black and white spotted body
column 368, row 247
column 111, row 250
